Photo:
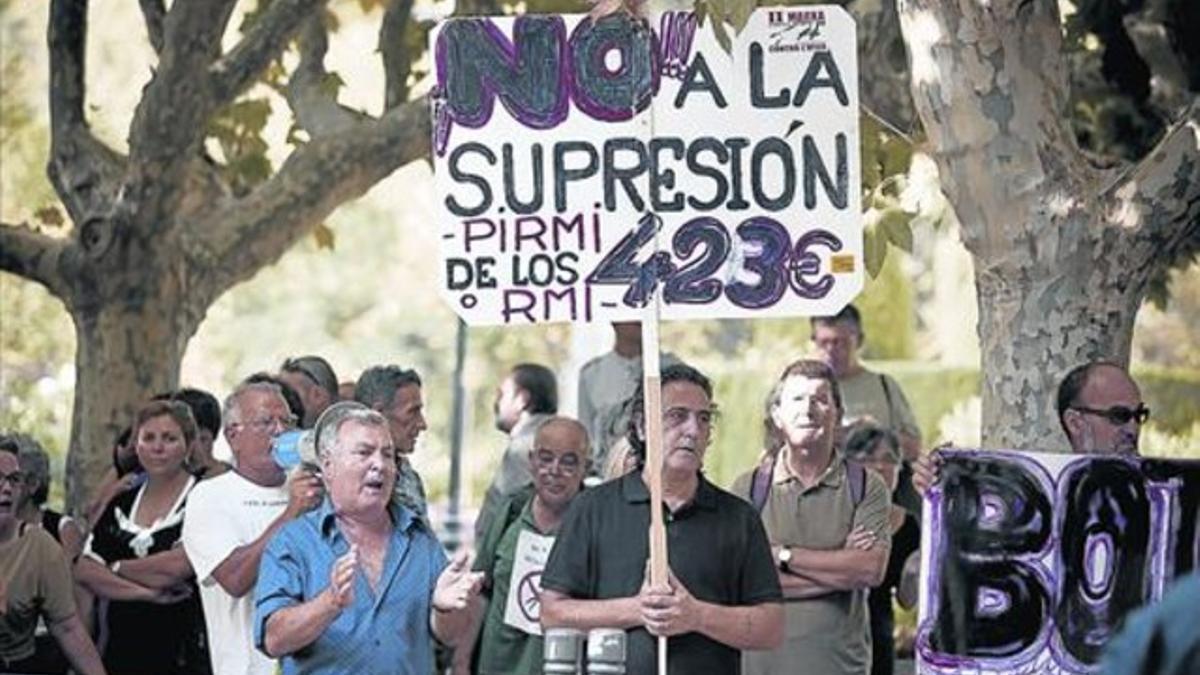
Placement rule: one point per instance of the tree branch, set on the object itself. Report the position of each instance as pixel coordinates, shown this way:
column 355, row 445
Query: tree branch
column 392, row 45
column 265, row 41
column 34, row 256
column 172, row 117
column 154, row 12
column 66, row 37
column 990, row 86
column 1147, row 29
column 312, row 98
column 315, row 180
column 85, row 172
column 1158, row 200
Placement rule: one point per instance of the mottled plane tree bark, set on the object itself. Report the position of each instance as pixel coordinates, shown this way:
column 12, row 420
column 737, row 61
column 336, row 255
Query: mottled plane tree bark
column 1065, row 246
column 160, row 232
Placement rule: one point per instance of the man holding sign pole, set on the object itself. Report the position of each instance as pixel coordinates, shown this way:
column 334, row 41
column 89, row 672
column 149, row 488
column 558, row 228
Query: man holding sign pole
column 722, row 594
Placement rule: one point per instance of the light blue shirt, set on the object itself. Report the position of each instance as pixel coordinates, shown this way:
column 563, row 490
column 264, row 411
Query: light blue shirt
column 379, row 633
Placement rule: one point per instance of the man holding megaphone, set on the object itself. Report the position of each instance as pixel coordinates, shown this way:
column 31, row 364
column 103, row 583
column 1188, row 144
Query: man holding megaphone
column 230, row 519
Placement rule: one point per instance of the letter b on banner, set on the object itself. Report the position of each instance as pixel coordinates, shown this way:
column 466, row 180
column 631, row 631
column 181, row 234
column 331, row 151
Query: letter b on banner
column 992, row 597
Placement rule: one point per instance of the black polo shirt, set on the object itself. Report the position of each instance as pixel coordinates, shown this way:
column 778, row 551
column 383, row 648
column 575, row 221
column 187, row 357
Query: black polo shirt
column 715, row 545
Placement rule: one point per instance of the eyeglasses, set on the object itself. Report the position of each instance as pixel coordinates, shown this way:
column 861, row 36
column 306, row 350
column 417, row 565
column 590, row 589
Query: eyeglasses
column 1118, row 415
column 268, row 423
column 546, row 459
column 14, row 479
column 673, row 417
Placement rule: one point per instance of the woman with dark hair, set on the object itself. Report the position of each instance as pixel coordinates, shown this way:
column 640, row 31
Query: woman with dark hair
column 878, row 449
column 126, row 472
column 153, row 623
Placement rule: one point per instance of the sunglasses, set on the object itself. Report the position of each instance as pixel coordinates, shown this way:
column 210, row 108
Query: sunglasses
column 1118, row 415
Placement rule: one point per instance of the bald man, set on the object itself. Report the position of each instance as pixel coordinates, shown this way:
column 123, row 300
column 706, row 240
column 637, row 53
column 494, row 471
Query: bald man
column 1099, row 407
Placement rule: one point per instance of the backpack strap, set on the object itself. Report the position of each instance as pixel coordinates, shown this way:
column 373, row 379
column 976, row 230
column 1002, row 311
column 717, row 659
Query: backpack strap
column 857, row 475
column 887, row 395
column 760, row 484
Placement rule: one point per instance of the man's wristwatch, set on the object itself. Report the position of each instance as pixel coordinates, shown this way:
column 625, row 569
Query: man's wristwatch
column 785, row 557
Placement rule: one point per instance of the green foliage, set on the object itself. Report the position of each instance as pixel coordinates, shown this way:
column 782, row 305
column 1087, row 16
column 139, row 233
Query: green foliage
column 1173, row 395
column 886, row 156
column 37, row 346
column 1169, row 337
column 238, row 131
column 548, row 7
column 888, row 306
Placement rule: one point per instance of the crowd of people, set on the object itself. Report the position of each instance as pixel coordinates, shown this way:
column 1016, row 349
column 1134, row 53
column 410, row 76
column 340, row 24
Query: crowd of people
column 326, row 561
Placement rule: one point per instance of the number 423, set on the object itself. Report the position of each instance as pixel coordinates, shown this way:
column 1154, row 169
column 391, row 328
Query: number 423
column 767, row 251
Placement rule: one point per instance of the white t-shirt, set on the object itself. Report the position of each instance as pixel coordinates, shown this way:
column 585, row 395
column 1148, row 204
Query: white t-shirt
column 224, row 513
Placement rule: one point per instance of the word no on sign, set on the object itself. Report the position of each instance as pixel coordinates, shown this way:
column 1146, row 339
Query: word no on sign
column 629, row 156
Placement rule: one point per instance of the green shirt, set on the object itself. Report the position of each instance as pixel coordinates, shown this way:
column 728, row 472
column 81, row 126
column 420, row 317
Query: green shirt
column 828, row 635
column 502, row 647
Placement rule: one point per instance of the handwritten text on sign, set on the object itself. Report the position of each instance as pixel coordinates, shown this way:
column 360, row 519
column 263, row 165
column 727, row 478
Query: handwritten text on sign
column 1032, row 560
column 611, row 135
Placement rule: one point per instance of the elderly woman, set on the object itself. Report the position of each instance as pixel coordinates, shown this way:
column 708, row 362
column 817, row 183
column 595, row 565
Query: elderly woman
column 35, row 464
column 35, row 582
column 132, row 558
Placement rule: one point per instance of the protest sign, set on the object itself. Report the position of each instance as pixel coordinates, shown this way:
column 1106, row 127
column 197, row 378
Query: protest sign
column 564, row 146
column 1030, row 561
column 523, row 607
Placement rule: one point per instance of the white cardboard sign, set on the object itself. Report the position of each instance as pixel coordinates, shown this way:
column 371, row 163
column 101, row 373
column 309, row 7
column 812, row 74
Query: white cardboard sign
column 564, row 147
column 523, row 607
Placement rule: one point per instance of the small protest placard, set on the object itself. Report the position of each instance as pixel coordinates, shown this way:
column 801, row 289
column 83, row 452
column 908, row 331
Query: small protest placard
column 564, row 148
column 523, row 607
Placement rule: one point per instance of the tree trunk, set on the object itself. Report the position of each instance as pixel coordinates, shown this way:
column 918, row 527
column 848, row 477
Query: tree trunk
column 1035, row 325
column 159, row 233
column 1063, row 249
column 126, row 353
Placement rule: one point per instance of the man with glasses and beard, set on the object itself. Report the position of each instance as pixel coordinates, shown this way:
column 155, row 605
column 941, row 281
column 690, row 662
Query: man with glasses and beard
column 1100, row 409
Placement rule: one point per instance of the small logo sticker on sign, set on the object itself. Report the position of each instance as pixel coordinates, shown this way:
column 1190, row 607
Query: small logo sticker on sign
column 842, row 264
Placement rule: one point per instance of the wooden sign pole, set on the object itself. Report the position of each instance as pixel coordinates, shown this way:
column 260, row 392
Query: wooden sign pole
column 652, row 423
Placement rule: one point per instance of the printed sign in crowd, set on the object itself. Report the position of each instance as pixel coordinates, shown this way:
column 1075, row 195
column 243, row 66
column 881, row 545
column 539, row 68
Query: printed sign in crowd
column 581, row 165
column 1032, row 560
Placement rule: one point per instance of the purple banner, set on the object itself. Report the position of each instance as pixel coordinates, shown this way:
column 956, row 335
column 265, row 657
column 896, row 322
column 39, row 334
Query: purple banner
column 1031, row 561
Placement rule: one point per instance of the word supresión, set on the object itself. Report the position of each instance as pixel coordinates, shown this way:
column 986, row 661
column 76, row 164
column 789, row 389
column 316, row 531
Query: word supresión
column 768, row 174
